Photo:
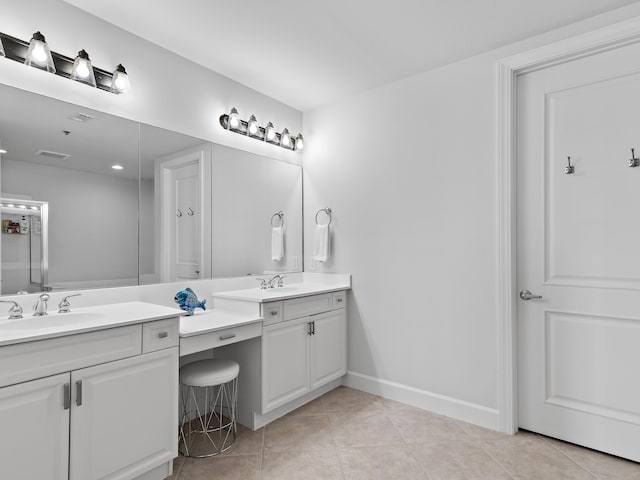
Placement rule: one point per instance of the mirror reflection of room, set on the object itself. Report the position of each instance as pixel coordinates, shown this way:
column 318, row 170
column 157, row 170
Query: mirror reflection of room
column 130, row 204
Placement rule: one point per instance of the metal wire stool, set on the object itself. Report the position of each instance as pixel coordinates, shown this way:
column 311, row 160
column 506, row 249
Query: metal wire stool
column 209, row 399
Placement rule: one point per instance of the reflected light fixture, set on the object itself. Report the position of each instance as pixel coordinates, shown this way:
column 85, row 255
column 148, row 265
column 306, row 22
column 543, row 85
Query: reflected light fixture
column 39, row 55
column 36, row 53
column 117, row 166
column 231, row 121
column 2, row 150
column 120, row 81
column 82, row 69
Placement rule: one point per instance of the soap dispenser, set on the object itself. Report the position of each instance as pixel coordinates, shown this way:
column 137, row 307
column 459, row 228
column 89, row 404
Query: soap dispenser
column 24, row 224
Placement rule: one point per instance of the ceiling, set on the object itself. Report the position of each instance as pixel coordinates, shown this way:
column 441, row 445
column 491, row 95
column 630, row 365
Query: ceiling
column 310, row 53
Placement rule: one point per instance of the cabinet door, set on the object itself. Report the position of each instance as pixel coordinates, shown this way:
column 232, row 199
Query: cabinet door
column 285, row 362
column 328, row 347
column 35, row 430
column 124, row 418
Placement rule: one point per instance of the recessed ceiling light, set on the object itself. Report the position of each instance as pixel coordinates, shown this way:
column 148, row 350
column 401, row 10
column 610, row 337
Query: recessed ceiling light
column 117, row 167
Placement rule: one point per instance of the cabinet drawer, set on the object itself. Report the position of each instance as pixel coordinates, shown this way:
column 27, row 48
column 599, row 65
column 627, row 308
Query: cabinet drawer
column 160, row 334
column 207, row 341
column 27, row 361
column 339, row 299
column 272, row 313
column 303, row 306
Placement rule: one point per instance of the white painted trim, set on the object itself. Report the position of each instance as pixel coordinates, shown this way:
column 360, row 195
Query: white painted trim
column 508, row 69
column 441, row 404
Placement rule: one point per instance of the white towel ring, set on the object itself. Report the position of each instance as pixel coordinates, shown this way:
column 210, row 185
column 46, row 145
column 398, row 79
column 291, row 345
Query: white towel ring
column 277, row 215
column 327, row 211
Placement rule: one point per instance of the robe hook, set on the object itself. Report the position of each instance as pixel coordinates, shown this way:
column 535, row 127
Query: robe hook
column 633, row 161
column 569, row 169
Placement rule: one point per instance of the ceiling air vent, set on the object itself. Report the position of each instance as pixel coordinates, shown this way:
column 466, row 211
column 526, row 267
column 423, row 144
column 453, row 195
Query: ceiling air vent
column 56, row 155
column 82, row 117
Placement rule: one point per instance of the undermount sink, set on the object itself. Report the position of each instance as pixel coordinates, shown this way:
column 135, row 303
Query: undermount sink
column 51, row 321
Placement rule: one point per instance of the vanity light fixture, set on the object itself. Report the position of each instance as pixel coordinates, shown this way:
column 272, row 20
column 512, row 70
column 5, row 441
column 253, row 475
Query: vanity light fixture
column 120, row 81
column 36, row 53
column 231, row 121
column 82, row 69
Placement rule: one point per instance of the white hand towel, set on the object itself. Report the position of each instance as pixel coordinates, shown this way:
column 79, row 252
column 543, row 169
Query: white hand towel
column 321, row 243
column 277, row 243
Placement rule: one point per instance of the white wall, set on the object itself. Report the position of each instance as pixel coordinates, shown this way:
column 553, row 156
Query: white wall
column 168, row 90
column 409, row 170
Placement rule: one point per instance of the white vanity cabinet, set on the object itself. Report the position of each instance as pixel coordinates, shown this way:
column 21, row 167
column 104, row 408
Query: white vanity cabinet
column 304, row 348
column 97, row 419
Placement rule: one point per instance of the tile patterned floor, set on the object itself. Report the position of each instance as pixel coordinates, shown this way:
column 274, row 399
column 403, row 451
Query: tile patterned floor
column 348, row 435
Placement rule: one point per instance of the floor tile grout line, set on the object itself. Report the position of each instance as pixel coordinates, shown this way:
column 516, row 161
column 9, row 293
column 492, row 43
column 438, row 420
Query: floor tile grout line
column 545, row 439
column 480, row 445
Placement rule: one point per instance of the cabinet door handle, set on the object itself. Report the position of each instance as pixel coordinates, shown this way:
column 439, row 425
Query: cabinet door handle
column 274, row 313
column 313, row 327
column 67, row 396
column 309, row 328
column 227, row 337
column 79, row 392
column 163, row 334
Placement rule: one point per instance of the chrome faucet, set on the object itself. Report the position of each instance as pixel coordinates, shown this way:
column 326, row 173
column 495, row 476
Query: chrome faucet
column 276, row 280
column 40, row 308
column 15, row 310
column 263, row 283
column 65, row 306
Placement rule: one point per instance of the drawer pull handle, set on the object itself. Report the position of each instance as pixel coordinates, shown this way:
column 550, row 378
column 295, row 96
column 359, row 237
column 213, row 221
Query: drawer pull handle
column 339, row 300
column 227, row 337
column 163, row 334
column 67, row 396
column 79, row 392
column 274, row 313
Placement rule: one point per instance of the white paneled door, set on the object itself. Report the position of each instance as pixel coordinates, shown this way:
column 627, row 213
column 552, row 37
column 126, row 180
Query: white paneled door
column 578, row 243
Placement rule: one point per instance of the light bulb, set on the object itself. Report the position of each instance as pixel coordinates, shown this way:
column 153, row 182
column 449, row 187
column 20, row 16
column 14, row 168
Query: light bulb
column 234, row 119
column 117, row 167
column 285, row 138
column 270, row 132
column 252, row 127
column 120, row 81
column 82, row 70
column 299, row 142
column 39, row 54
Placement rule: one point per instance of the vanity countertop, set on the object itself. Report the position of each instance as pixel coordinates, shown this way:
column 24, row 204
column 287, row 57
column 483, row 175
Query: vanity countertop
column 292, row 290
column 81, row 320
column 213, row 320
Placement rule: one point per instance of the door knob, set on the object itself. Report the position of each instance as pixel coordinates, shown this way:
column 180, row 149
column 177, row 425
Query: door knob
column 527, row 295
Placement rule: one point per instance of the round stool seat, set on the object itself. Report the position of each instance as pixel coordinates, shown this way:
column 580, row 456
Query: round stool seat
column 208, row 373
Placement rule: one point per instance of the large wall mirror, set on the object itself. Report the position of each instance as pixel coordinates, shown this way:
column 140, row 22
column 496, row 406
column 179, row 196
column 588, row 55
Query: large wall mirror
column 91, row 200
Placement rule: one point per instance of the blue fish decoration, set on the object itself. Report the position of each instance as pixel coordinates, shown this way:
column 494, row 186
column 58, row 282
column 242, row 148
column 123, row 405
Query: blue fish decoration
column 187, row 300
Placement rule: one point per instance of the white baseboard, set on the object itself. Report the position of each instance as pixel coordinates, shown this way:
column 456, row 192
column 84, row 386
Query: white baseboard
column 440, row 404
